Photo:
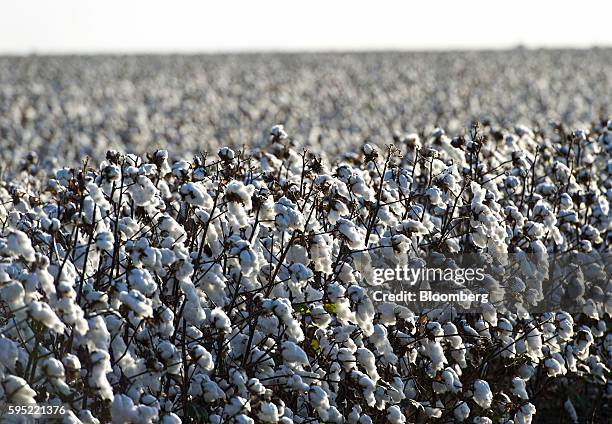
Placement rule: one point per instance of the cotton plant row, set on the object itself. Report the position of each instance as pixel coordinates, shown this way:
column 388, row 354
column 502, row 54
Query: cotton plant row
column 231, row 287
column 68, row 107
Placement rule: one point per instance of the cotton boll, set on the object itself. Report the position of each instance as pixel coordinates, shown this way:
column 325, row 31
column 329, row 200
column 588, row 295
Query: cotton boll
column 17, row 390
column 247, row 257
column 268, row 412
column 11, row 292
column 203, row 358
column 142, row 280
column 288, row 215
column 238, row 197
column 195, row 194
column 171, row 418
column 381, row 340
column 236, row 405
column 18, row 244
column 394, row 415
column 346, row 358
column 364, row 312
column 368, row 361
column 293, row 354
column 461, row 411
column 226, row 154
column 123, row 410
column 526, row 371
column 553, row 367
column 209, row 390
column 220, row 320
column 137, row 302
column 104, row 241
column 54, row 372
column 318, row 398
column 143, row 191
column 43, row 313
column 482, row 394
column 320, row 317
column 296, row 383
column 353, row 235
column 431, row 411
column 98, row 381
column 9, row 353
column 519, row 389
column 525, row 414
column 451, row 380
column 282, row 309
column 534, row 342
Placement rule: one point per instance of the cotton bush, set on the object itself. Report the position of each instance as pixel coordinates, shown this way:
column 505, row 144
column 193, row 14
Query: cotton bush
column 231, row 285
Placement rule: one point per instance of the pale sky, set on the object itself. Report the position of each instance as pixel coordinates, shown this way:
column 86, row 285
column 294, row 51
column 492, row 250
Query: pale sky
column 142, row 26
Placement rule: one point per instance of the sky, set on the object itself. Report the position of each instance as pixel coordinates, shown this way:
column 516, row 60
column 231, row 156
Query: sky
column 192, row 26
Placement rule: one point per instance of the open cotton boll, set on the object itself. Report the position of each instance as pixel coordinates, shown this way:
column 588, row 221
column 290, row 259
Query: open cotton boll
column 461, row 411
column 41, row 312
column 268, row 412
column 143, row 191
column 142, row 280
column 137, row 302
column 220, row 320
column 209, row 390
column 337, row 210
column 353, row 235
column 18, row 244
column 168, row 224
column 525, row 414
column 432, row 349
column 293, row 354
column 432, row 411
column 318, row 398
column 284, row 311
column 288, row 215
column 104, row 241
column 364, row 309
column 451, row 380
column 236, row 405
column 519, row 389
column 9, row 353
column 238, row 198
column 54, row 372
column 195, row 194
column 482, row 394
column 12, row 293
column 368, row 361
column 380, row 339
column 17, row 390
column 96, row 335
column 100, row 361
column 247, row 257
column 194, row 312
column 394, row 415
column 534, row 342
column 203, row 358
column 554, row 368
column 123, row 410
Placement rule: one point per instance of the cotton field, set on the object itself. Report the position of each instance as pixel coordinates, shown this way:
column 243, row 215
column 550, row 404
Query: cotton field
column 193, row 239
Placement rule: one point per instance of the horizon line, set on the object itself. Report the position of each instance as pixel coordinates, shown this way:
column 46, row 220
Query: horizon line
column 297, row 51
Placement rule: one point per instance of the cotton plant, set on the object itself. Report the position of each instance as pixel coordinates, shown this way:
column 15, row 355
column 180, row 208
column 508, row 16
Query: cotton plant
column 234, row 287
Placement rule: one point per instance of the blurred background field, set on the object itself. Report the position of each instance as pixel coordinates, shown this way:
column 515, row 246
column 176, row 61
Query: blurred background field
column 65, row 107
